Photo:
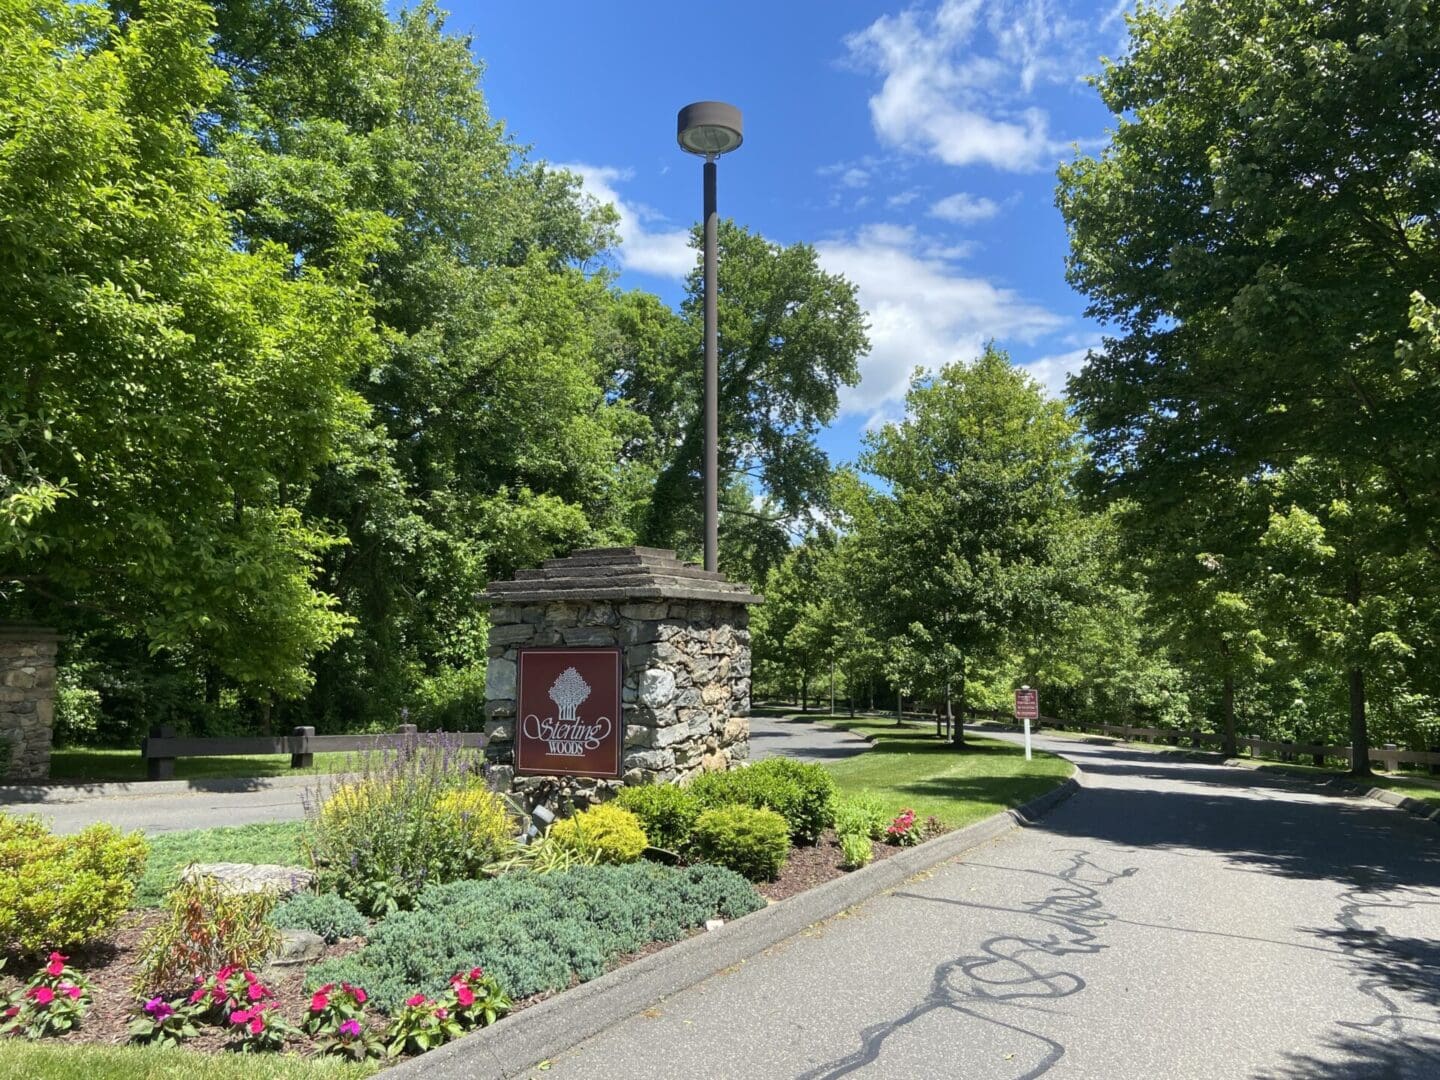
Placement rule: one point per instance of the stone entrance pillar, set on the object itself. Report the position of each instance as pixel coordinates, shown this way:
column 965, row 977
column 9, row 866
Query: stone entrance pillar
column 685, row 663
column 27, row 701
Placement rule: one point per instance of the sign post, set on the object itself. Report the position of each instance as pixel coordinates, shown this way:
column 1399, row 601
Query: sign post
column 1027, row 708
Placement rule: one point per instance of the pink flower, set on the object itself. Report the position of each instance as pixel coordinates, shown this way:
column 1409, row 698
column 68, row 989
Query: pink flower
column 331, row 986
column 240, row 1016
column 477, row 973
column 225, row 972
column 319, row 1002
column 350, row 1028
column 442, row 1012
column 159, row 1008
column 56, row 965
column 418, row 999
column 43, row 995
column 70, row 990
column 257, row 992
column 197, row 996
column 355, row 992
column 257, row 1025
column 251, row 978
column 465, row 996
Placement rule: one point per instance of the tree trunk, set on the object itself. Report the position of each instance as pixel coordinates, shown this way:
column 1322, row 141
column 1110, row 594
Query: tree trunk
column 804, row 693
column 1359, row 731
column 957, row 729
column 832, row 687
column 1228, row 744
column 899, row 708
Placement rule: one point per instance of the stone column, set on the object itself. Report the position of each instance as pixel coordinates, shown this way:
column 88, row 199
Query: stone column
column 27, row 701
column 686, row 662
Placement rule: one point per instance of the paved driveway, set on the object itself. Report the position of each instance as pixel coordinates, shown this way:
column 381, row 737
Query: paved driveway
column 1173, row 919
column 801, row 738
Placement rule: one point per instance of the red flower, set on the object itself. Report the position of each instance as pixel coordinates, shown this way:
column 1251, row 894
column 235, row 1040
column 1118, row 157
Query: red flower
column 477, row 973
column 331, row 986
column 56, row 965
column 418, row 999
column 43, row 995
column 319, row 1002
column 70, row 990
column 465, row 996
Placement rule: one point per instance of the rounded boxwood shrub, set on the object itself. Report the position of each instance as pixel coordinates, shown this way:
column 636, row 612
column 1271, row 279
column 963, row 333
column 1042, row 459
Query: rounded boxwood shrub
column 748, row 840
column 666, row 811
column 803, row 794
column 327, row 914
column 57, row 892
column 609, row 832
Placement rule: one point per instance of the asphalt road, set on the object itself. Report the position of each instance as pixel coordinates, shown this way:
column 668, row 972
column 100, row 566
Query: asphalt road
column 1173, row 919
column 205, row 804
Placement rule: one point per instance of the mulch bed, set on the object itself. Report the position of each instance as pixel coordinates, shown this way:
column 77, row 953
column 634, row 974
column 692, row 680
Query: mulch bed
column 811, row 866
column 110, row 966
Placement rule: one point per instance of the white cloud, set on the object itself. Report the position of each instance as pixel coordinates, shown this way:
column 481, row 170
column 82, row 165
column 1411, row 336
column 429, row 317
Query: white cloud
column 923, row 312
column 904, row 198
column 1050, row 371
column 964, row 208
column 646, row 244
column 956, row 80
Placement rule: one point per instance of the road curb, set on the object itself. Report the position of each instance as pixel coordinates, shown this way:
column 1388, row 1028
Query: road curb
column 553, row 1026
column 58, row 794
column 1382, row 795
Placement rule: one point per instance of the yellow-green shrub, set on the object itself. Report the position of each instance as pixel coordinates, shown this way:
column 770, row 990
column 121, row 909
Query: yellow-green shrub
column 611, row 833
column 478, row 816
column 58, row 892
column 749, row 840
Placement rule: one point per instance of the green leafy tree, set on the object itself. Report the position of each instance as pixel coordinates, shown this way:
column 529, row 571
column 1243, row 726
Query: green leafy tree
column 167, row 398
column 967, row 550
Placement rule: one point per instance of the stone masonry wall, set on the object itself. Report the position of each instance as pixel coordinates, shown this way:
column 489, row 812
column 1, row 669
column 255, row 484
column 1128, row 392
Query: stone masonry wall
column 686, row 694
column 27, row 701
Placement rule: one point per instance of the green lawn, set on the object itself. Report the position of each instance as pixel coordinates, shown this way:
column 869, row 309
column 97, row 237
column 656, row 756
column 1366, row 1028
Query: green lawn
column 909, row 766
column 172, row 852
column 53, row 1061
column 89, row 765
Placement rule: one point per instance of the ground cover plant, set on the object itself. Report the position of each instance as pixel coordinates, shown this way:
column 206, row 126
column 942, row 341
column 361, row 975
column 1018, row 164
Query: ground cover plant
column 61, row 891
column 327, row 914
column 536, row 932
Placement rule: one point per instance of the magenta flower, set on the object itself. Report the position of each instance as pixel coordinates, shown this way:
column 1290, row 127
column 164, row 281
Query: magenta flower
column 70, row 990
column 43, row 995
column 56, row 965
column 418, row 999
column 350, row 1028
column 159, row 1008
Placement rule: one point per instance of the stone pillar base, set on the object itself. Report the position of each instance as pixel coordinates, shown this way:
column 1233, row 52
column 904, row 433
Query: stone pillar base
column 27, row 701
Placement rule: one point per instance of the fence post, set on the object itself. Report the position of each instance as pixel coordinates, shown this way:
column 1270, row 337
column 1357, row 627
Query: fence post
column 305, row 758
column 1388, row 761
column 159, row 768
column 407, row 729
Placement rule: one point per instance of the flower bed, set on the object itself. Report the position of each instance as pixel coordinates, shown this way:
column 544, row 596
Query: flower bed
column 431, row 916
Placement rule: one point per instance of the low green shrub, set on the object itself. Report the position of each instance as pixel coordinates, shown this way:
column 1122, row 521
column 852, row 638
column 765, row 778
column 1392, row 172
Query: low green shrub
column 535, row 932
column 803, row 794
column 856, row 849
column 862, row 814
column 327, row 914
column 415, row 815
column 749, row 840
column 206, row 927
column 63, row 891
column 667, row 812
column 610, row 833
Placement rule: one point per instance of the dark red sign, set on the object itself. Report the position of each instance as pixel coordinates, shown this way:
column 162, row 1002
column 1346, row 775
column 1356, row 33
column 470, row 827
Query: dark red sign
column 568, row 707
column 1027, row 704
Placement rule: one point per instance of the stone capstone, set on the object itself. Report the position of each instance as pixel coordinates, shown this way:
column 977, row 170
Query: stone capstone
column 297, row 948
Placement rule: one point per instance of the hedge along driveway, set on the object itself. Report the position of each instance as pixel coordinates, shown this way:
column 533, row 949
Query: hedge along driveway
column 909, row 766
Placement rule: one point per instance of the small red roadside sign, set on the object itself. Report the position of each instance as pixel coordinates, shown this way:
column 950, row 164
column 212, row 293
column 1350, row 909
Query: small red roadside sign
column 1027, row 704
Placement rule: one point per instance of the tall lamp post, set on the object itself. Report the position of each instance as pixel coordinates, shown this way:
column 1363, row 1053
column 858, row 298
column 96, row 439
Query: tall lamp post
column 710, row 128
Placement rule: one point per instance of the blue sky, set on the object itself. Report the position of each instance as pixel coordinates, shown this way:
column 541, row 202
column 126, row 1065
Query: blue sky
column 915, row 147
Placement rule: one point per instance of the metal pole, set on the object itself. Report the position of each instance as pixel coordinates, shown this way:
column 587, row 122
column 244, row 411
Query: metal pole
column 712, row 378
